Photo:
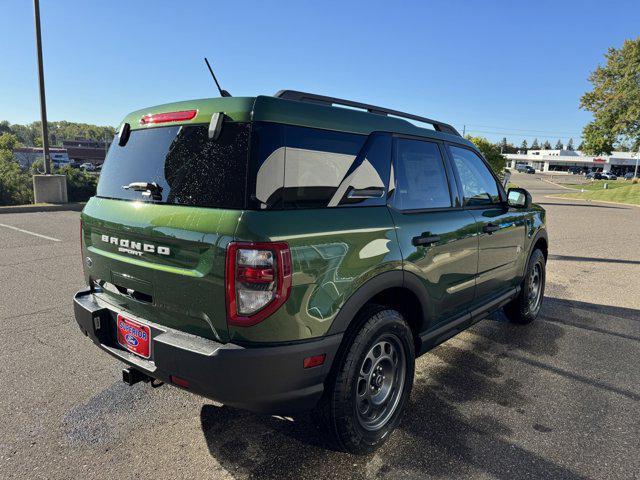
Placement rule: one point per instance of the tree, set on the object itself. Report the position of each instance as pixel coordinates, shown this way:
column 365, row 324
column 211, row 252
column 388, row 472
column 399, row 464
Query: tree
column 524, row 145
column 614, row 100
column 546, row 145
column 8, row 142
column 15, row 185
column 581, row 146
column 597, row 139
column 535, row 145
column 491, row 152
column 570, row 144
column 559, row 145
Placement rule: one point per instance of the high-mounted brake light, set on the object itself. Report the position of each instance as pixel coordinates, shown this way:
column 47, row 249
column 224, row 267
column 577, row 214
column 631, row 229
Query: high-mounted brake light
column 168, row 117
column 258, row 281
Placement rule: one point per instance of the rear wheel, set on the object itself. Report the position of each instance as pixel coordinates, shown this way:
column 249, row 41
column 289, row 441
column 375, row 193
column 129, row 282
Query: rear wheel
column 371, row 383
column 526, row 306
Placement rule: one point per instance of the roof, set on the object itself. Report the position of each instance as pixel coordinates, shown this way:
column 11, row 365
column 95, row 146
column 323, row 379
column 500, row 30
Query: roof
column 293, row 112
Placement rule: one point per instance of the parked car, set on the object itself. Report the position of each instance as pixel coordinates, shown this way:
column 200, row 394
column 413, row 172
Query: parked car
column 313, row 284
column 608, row 176
column 594, row 176
column 521, row 167
column 88, row 167
column 629, row 175
column 529, row 169
column 576, row 170
column 75, row 164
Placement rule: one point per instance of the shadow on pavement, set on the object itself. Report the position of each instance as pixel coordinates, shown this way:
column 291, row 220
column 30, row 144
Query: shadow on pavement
column 571, row 258
column 589, row 205
column 435, row 437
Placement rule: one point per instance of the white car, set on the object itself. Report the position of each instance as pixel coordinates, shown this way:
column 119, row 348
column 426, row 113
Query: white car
column 608, row 176
column 87, row 167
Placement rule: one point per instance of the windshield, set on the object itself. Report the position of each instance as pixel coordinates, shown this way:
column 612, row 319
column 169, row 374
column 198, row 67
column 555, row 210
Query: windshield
column 187, row 167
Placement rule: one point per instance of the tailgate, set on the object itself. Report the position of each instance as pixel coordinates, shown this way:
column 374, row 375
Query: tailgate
column 163, row 263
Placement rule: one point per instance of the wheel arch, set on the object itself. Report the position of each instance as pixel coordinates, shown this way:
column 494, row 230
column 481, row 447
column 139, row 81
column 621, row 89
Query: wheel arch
column 399, row 290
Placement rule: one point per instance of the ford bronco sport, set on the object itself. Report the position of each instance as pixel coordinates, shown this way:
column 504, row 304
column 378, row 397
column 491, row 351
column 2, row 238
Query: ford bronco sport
column 283, row 254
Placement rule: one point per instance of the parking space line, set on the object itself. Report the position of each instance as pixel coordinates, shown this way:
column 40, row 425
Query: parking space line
column 28, row 232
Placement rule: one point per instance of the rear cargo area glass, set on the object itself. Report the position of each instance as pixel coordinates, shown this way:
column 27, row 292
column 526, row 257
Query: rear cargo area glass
column 189, row 167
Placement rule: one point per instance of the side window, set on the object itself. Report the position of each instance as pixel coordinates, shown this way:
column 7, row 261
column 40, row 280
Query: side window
column 479, row 187
column 316, row 162
column 420, row 178
column 365, row 183
column 297, row 167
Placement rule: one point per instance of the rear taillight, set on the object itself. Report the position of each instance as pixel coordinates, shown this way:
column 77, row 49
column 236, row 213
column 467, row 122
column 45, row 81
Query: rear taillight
column 258, row 281
column 168, row 117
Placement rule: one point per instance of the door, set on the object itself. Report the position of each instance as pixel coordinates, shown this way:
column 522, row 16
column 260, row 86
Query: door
column 437, row 238
column 501, row 229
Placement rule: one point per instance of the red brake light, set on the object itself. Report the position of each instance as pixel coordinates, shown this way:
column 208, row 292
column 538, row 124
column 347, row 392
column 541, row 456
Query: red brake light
column 168, row 117
column 258, row 281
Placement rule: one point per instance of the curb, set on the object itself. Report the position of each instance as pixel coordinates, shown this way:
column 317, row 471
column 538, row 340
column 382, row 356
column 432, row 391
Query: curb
column 50, row 207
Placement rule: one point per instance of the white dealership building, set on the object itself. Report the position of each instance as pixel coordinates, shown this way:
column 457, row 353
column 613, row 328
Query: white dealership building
column 564, row 160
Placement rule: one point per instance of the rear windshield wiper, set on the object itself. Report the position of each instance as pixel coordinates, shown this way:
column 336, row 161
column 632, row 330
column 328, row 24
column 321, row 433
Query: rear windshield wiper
column 152, row 189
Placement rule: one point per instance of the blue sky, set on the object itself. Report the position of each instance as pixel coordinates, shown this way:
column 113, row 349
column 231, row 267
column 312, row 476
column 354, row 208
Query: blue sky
column 502, row 68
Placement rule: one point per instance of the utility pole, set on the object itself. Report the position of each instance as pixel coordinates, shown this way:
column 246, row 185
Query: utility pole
column 464, row 129
column 43, row 102
column 47, row 188
column 635, row 173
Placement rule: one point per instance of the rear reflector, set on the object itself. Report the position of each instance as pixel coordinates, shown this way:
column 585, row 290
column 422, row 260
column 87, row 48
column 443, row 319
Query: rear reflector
column 181, row 382
column 168, row 117
column 314, row 361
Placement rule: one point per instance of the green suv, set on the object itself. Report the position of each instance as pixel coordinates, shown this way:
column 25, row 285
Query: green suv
column 297, row 252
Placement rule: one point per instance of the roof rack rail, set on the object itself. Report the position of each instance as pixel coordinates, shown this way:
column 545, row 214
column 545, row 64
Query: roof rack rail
column 324, row 100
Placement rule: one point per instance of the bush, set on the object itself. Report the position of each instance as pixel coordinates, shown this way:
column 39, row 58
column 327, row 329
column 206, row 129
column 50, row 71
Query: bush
column 635, row 180
column 81, row 186
column 16, row 186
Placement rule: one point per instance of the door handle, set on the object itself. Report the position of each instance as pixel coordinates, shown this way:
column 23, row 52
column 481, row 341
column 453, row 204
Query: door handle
column 425, row 239
column 490, row 228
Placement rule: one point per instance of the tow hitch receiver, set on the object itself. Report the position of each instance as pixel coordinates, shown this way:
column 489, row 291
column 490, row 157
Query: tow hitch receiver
column 131, row 376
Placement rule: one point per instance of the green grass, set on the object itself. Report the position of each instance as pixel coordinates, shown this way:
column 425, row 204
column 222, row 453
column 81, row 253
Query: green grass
column 599, row 184
column 625, row 193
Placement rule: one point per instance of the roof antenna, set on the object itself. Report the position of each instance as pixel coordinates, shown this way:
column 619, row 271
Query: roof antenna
column 223, row 93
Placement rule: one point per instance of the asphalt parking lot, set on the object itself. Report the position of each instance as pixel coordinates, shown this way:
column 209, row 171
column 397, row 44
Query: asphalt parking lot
column 556, row 399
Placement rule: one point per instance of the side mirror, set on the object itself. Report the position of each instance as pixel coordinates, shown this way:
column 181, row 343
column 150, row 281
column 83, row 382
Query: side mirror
column 518, row 198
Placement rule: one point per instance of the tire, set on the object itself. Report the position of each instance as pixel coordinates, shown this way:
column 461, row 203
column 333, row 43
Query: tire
column 375, row 368
column 525, row 307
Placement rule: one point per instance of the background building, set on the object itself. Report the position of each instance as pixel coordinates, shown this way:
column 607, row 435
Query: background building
column 565, row 160
column 26, row 156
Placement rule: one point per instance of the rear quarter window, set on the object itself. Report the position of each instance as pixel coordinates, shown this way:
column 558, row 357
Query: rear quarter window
column 297, row 167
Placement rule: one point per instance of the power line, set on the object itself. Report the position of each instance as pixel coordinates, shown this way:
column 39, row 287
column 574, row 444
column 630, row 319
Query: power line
column 527, row 134
column 525, row 130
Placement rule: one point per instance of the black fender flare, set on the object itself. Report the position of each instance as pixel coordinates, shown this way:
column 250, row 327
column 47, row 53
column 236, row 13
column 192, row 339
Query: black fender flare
column 374, row 286
column 541, row 233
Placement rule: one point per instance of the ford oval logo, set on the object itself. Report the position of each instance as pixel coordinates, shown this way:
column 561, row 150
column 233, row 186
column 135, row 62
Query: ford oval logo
column 131, row 340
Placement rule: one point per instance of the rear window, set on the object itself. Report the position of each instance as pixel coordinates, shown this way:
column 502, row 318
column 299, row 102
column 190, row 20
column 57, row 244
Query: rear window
column 190, row 168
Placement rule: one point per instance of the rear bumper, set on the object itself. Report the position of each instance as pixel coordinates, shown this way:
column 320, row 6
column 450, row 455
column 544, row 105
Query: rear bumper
column 265, row 379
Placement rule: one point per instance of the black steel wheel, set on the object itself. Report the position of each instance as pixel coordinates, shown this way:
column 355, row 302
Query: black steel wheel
column 370, row 382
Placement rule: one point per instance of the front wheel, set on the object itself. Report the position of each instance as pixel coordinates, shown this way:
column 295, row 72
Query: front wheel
column 525, row 307
column 371, row 383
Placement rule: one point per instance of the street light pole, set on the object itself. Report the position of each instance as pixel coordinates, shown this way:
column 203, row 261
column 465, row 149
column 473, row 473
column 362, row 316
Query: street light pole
column 43, row 102
column 635, row 173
